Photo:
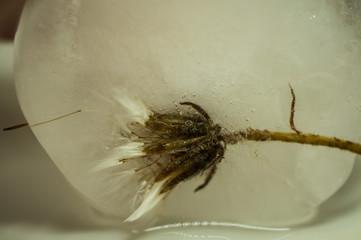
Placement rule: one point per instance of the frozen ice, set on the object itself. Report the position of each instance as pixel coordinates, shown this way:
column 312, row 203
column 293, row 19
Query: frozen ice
column 164, row 52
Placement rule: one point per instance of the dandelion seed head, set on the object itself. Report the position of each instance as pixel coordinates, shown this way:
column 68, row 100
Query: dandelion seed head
column 152, row 153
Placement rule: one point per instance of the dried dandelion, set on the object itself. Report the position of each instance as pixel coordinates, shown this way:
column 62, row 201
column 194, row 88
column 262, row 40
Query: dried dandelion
column 177, row 146
column 165, row 149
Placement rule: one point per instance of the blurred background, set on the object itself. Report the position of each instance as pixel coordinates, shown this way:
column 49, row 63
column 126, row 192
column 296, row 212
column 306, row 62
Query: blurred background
column 10, row 11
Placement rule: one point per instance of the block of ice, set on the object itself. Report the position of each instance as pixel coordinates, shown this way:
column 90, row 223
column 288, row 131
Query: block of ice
column 234, row 58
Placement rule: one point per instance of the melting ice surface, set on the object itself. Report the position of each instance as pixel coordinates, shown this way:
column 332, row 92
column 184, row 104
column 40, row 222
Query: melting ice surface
column 234, row 58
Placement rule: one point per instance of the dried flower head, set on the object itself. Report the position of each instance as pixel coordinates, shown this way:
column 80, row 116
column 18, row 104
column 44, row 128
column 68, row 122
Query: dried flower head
column 160, row 150
column 173, row 147
column 176, row 146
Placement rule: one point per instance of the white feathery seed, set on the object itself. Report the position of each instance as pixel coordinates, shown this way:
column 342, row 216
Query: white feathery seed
column 128, row 110
column 133, row 110
column 151, row 198
column 130, row 150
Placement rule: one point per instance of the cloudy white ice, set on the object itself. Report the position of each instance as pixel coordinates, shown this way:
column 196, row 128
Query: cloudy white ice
column 234, row 58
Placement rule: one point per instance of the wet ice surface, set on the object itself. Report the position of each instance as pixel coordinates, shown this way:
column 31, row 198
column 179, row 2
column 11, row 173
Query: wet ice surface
column 234, row 58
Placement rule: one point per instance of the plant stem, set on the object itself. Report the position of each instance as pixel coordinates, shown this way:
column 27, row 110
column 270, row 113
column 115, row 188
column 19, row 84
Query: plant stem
column 303, row 138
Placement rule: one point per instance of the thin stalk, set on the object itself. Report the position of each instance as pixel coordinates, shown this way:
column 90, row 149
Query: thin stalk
column 290, row 137
column 37, row 124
